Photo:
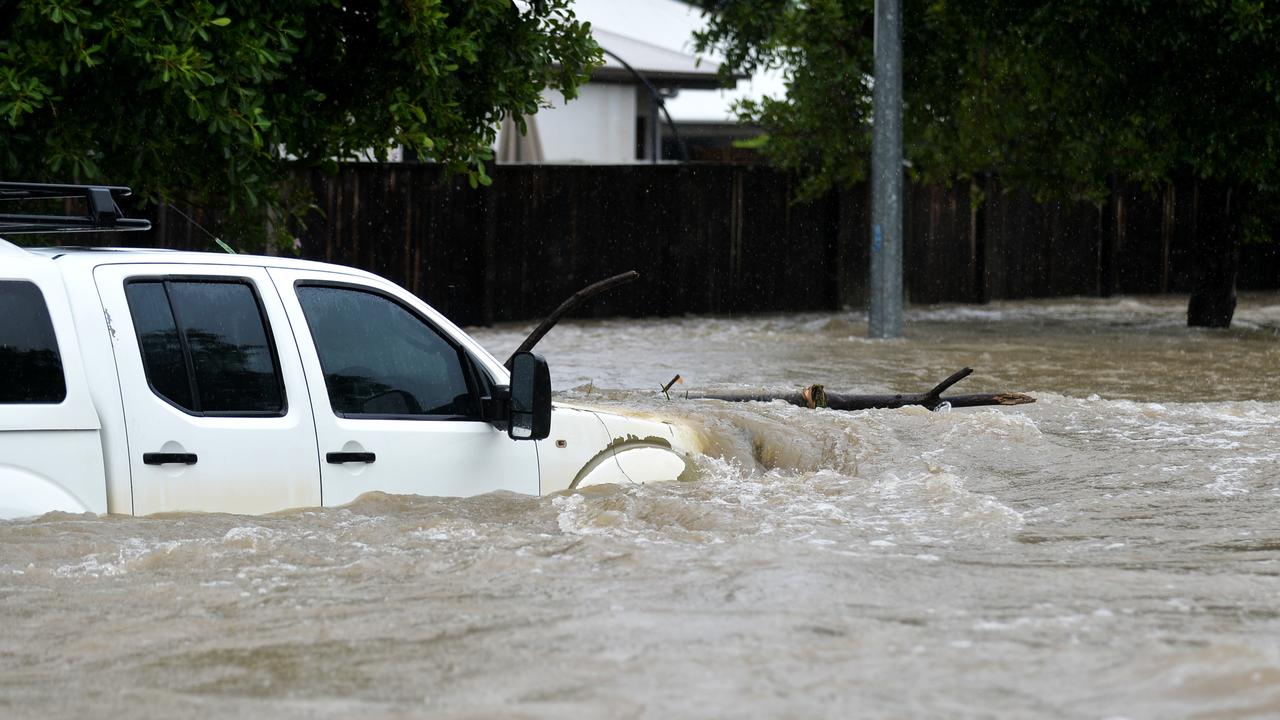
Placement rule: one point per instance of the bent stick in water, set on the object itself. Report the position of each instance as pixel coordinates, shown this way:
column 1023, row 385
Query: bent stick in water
column 574, row 300
column 817, row 396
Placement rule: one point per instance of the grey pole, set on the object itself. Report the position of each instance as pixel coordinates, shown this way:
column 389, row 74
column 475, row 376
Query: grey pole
column 886, row 175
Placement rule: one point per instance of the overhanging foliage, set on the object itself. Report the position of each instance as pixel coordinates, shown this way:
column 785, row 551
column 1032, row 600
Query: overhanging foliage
column 206, row 101
column 1060, row 98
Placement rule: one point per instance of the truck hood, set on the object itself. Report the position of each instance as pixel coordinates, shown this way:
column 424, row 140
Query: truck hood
column 629, row 428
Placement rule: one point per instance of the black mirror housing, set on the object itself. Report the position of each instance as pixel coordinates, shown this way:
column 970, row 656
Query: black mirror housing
column 530, row 407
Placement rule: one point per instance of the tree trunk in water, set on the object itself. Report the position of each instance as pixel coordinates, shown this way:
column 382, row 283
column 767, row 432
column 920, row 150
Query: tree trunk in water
column 816, row 396
column 1215, row 256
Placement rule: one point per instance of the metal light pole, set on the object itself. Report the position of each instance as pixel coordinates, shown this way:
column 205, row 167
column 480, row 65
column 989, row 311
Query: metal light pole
column 886, row 175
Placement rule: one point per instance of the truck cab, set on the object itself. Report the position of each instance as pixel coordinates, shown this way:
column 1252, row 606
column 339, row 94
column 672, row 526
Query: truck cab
column 146, row 381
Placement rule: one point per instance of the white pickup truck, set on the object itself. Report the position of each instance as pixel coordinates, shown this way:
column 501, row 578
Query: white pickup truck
column 145, row 381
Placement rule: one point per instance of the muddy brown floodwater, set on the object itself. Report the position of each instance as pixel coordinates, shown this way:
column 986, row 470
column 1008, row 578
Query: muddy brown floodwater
column 1112, row 551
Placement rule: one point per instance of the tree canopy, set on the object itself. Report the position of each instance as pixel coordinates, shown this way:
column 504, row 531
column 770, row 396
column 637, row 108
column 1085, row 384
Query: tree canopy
column 1061, row 98
column 210, row 100
column 1058, row 97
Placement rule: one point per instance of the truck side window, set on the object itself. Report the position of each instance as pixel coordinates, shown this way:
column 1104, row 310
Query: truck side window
column 381, row 360
column 206, row 347
column 30, row 365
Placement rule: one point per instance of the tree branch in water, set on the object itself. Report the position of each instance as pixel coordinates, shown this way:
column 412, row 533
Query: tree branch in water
column 815, row 396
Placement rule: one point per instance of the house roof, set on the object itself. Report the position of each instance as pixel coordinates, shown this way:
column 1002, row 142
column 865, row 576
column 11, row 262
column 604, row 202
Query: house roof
column 669, row 25
column 662, row 66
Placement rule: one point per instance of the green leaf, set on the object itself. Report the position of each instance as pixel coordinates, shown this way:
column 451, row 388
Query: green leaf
column 220, row 22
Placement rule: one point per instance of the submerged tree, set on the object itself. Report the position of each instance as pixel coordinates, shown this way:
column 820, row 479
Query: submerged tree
column 210, row 101
column 1062, row 99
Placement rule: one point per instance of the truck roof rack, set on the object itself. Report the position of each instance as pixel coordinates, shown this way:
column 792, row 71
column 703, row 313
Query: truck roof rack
column 102, row 213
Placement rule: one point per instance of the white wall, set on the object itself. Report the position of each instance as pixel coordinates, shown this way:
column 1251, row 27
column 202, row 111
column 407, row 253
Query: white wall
column 599, row 126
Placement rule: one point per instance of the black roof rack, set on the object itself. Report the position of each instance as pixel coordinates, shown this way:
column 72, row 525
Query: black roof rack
column 103, row 214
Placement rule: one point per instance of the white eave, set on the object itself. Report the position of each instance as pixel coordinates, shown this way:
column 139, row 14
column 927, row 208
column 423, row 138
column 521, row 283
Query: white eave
column 661, row 66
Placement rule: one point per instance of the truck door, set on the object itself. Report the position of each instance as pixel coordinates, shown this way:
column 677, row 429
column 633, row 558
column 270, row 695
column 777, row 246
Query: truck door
column 215, row 401
column 395, row 394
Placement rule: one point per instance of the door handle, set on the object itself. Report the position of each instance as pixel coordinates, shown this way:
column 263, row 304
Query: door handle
column 337, row 458
column 169, row 458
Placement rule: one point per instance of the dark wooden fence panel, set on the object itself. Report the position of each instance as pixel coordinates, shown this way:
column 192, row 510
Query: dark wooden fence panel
column 723, row 239
column 707, row 239
column 1140, row 241
column 940, row 252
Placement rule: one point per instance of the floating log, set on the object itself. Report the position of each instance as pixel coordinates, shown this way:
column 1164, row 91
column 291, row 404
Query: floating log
column 816, row 396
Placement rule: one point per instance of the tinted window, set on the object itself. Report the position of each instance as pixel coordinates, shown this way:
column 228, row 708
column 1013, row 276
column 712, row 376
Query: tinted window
column 30, row 367
column 380, row 359
column 205, row 346
column 233, row 363
column 158, row 337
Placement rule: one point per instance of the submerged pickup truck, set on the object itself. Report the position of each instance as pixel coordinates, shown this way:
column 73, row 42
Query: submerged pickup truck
column 147, row 381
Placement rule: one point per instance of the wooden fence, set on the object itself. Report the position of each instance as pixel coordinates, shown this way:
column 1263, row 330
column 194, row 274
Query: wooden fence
column 725, row 239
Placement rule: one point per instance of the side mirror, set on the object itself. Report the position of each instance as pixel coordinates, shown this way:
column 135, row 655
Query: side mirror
column 530, row 398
